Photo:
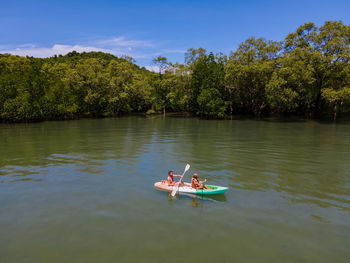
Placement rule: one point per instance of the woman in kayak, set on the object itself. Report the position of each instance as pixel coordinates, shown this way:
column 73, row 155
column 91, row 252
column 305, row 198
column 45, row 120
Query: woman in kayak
column 196, row 184
column 170, row 179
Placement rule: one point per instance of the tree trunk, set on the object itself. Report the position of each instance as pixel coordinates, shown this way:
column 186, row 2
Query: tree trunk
column 318, row 96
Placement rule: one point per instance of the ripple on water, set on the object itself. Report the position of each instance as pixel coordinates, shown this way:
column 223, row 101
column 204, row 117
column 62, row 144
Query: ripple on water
column 93, row 180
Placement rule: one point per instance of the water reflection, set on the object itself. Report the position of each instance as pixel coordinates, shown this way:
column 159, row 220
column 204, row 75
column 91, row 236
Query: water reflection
column 62, row 183
column 196, row 200
column 297, row 159
column 214, row 198
column 306, row 162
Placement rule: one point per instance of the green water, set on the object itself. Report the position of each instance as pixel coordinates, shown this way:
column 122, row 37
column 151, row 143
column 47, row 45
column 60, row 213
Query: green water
column 82, row 191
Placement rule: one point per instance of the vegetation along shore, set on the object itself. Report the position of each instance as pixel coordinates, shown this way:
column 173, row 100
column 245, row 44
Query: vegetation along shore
column 307, row 74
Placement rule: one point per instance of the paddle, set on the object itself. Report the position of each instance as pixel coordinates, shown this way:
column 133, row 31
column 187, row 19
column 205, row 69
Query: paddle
column 175, row 188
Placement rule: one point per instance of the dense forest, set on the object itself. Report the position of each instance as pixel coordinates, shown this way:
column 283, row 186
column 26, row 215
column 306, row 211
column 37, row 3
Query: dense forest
column 307, row 74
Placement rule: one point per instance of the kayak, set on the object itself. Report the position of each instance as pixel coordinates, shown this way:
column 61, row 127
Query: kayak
column 212, row 189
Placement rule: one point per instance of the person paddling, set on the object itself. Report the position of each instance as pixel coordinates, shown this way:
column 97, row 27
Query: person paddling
column 195, row 183
column 170, row 179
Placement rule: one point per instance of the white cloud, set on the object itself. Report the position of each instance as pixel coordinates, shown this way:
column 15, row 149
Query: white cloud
column 153, row 68
column 42, row 52
column 142, row 50
column 175, row 51
column 138, row 49
column 123, row 42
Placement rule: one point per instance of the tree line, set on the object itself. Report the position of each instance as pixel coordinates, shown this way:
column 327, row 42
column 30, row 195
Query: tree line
column 307, row 74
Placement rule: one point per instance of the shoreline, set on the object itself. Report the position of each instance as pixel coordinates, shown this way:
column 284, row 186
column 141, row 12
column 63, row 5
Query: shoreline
column 271, row 118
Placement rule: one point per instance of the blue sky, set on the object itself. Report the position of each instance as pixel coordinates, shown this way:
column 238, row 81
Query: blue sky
column 147, row 29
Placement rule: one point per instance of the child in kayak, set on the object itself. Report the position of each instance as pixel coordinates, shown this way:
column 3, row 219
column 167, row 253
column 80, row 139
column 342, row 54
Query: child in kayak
column 170, row 179
column 196, row 184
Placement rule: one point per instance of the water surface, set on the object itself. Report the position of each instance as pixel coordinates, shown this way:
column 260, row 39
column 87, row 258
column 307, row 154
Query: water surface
column 82, row 191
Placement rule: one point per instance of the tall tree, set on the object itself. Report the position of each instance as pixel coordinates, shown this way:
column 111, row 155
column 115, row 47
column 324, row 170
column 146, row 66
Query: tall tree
column 326, row 51
column 248, row 71
column 207, row 86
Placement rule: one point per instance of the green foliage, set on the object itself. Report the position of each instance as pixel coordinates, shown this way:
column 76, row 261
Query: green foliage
column 207, row 87
column 21, row 87
column 308, row 74
column 339, row 100
column 324, row 54
column 280, row 96
column 248, row 71
column 65, row 87
column 151, row 112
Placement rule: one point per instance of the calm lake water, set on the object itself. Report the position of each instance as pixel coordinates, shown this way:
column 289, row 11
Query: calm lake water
column 82, row 191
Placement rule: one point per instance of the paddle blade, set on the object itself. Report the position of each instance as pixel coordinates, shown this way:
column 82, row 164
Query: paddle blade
column 176, row 187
